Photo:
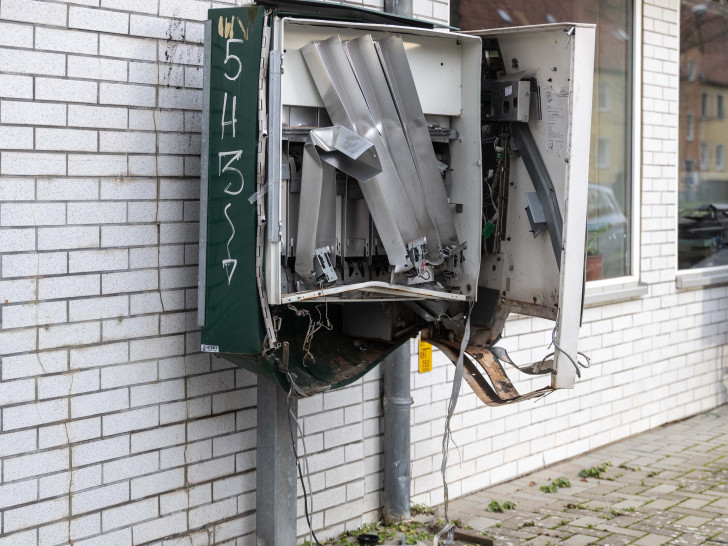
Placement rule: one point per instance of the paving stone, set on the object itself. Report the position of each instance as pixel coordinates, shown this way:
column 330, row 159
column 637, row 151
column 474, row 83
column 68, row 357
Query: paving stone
column 692, row 521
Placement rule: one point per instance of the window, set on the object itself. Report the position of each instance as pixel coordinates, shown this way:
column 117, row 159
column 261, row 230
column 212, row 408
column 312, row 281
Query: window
column 719, row 158
column 604, row 105
column 692, row 71
column 702, row 236
column 703, row 156
column 611, row 170
column 720, row 113
column 604, row 155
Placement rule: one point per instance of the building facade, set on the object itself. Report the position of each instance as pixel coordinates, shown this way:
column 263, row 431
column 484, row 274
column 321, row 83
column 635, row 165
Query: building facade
column 115, row 429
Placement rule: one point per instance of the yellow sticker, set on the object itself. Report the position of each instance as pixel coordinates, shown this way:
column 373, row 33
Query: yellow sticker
column 425, row 357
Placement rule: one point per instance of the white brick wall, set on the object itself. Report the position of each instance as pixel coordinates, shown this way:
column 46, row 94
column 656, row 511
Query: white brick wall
column 114, row 429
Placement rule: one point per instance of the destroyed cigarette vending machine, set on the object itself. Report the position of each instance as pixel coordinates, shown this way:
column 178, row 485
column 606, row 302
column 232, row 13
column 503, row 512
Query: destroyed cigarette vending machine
column 367, row 177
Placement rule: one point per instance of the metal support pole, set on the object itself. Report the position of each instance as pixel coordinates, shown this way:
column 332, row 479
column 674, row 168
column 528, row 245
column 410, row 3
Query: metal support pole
column 399, row 7
column 397, row 404
column 275, row 516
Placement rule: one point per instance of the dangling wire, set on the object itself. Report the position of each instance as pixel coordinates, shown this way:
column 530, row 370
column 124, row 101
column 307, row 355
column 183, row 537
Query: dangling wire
column 575, row 361
column 311, row 535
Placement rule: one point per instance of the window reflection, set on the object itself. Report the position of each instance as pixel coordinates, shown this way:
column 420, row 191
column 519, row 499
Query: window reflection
column 703, row 181
column 610, row 183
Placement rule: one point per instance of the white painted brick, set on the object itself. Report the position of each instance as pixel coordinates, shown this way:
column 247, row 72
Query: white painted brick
column 143, row 73
column 29, row 415
column 69, row 383
column 95, row 68
column 128, row 235
column 96, row 165
column 157, row 483
column 126, row 142
column 103, row 355
column 30, row 11
column 96, row 213
column 97, row 116
column 35, row 464
column 98, row 403
column 63, row 482
column 16, row 87
column 97, row 19
column 32, row 62
column 69, row 287
column 69, row 432
column 16, row 138
column 156, row 27
column 32, row 214
column 208, row 470
column 100, row 497
column 32, row 113
column 15, row 35
column 17, row 240
column 96, row 260
column 132, row 281
column 184, row 99
column 71, row 140
column 100, row 450
column 142, row 6
column 54, row 39
column 18, row 316
column 67, row 189
column 18, row 493
column 132, row 327
column 170, row 525
column 129, row 514
column 65, row 90
column 27, row 163
column 16, row 189
column 156, row 438
column 212, row 512
column 127, row 421
column 154, row 393
column 63, row 335
column 122, row 536
column 128, row 48
column 29, row 365
column 67, row 238
column 35, row 514
column 130, row 467
column 96, row 308
column 128, row 189
column 15, row 392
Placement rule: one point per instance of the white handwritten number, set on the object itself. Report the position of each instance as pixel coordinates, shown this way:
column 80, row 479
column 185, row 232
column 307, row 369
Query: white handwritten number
column 221, row 170
column 233, row 119
column 234, row 57
column 231, row 263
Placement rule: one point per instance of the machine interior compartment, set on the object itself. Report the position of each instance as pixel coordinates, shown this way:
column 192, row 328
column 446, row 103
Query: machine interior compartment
column 361, row 253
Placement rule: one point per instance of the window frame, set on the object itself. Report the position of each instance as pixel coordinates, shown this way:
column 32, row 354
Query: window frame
column 719, row 157
column 720, row 107
column 618, row 284
column 690, row 129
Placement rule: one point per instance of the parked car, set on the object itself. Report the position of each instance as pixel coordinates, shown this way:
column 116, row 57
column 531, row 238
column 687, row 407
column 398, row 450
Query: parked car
column 703, row 236
column 603, row 210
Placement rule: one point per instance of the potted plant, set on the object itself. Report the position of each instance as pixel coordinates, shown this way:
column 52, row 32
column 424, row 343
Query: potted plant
column 594, row 257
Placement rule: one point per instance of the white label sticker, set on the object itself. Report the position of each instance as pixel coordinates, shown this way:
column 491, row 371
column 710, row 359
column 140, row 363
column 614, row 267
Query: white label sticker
column 210, row 349
column 509, row 91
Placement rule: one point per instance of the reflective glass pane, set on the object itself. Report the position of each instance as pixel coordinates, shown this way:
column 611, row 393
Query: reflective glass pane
column 610, row 174
column 703, row 180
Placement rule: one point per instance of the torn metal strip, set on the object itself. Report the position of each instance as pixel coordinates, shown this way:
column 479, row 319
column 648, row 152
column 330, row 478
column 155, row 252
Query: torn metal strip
column 345, row 104
column 402, row 84
column 368, row 70
column 325, row 149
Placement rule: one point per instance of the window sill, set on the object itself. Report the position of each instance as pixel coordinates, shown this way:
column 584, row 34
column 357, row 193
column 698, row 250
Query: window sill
column 599, row 295
column 702, row 278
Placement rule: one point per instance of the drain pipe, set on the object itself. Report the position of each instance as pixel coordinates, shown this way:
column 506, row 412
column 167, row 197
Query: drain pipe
column 397, row 404
column 397, row 399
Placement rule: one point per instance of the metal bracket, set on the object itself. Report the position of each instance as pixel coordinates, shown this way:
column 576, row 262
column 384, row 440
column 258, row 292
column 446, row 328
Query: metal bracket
column 323, row 259
column 417, row 252
column 542, row 182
